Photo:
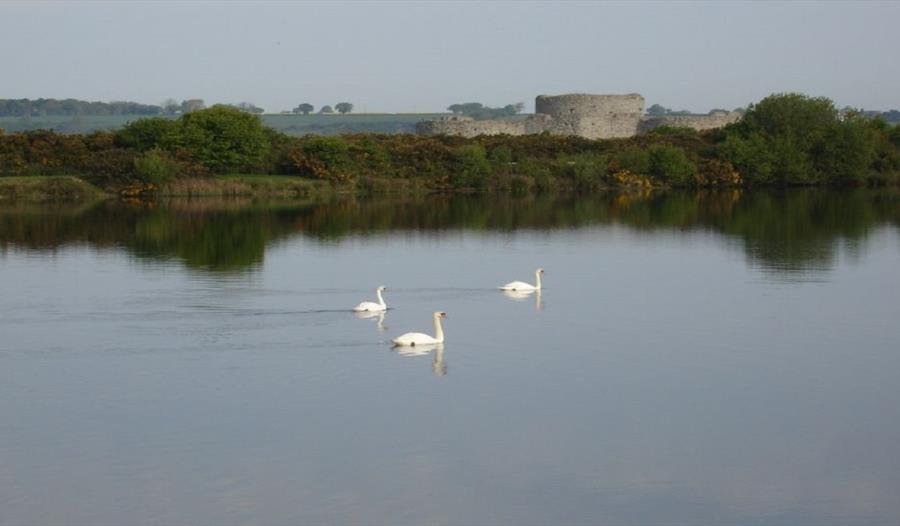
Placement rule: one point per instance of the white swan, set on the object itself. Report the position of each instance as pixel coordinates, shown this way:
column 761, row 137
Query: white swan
column 521, row 286
column 412, row 339
column 368, row 306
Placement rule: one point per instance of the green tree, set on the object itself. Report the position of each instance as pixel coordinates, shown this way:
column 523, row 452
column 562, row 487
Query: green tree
column 792, row 115
column 343, row 107
column 657, row 110
column 222, row 138
column 783, row 138
column 846, row 153
column 465, row 108
column 304, row 108
column 751, row 156
column 145, row 134
column 479, row 111
column 326, row 109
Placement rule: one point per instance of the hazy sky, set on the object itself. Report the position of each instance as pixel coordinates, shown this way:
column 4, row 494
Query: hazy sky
column 423, row 56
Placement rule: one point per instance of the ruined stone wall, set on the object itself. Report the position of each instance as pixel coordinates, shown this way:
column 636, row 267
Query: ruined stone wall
column 715, row 119
column 469, row 127
column 589, row 116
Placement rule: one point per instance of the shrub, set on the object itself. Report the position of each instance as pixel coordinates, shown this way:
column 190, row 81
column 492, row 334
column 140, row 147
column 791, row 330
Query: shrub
column 323, row 158
column 670, row 164
column 471, row 166
column 847, row 152
column 502, row 156
column 624, row 178
column 586, row 170
column 520, row 184
column 795, row 139
column 751, row 156
column 717, row 172
column 145, row 134
column 155, row 167
column 634, row 160
column 221, row 138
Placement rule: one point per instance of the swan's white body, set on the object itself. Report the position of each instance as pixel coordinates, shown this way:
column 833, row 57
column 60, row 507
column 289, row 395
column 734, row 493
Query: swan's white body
column 368, row 306
column 521, row 286
column 412, row 339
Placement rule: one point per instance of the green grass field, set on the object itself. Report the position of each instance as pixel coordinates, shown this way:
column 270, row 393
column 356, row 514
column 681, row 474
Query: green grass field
column 287, row 123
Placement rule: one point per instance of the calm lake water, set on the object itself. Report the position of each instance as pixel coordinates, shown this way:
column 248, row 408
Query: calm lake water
column 717, row 358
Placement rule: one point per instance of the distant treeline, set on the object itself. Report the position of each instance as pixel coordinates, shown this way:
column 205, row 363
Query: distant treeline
column 74, row 107
column 892, row 116
column 785, row 139
column 35, row 107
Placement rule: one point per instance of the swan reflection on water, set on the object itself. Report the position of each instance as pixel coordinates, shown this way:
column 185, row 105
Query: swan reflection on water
column 378, row 316
column 438, row 366
column 521, row 295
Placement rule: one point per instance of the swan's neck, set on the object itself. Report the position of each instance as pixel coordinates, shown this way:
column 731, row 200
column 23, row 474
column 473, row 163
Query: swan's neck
column 438, row 330
column 380, row 299
column 537, row 279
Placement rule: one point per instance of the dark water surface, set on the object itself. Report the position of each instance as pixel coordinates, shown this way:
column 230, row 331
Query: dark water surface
column 718, row 358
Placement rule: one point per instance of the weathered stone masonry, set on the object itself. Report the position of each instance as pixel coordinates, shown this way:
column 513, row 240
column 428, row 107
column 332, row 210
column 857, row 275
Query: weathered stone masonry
column 715, row 119
column 590, row 116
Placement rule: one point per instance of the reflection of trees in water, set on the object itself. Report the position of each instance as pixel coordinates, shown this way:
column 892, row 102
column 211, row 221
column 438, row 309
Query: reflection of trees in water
column 784, row 230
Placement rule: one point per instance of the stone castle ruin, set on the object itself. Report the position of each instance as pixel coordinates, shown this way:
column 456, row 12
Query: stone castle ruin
column 589, row 116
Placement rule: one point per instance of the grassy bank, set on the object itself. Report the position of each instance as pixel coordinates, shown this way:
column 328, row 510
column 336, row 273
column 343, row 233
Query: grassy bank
column 59, row 188
column 287, row 187
column 234, row 185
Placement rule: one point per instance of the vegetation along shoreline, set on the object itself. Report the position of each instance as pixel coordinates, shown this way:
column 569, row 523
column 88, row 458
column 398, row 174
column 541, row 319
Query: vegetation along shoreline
column 784, row 140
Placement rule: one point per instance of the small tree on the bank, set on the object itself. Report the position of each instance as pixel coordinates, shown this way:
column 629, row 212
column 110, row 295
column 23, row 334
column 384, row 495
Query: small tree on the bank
column 304, row 108
column 790, row 138
column 155, row 166
column 326, row 109
column 222, row 138
column 343, row 107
